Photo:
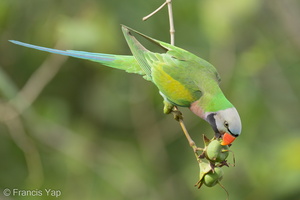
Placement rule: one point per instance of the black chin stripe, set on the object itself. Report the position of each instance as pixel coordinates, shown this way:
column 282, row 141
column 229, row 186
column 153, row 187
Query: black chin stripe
column 235, row 135
column 211, row 119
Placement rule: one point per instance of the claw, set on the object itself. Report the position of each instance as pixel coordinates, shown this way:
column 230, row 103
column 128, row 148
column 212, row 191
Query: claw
column 177, row 115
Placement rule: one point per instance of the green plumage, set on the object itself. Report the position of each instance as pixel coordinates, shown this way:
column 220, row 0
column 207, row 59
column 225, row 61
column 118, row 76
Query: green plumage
column 182, row 78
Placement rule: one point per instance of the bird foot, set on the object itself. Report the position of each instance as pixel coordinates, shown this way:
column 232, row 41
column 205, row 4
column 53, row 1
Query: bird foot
column 177, row 115
column 168, row 107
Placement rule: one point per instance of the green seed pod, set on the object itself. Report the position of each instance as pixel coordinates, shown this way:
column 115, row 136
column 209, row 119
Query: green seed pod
column 215, row 152
column 213, row 177
column 205, row 168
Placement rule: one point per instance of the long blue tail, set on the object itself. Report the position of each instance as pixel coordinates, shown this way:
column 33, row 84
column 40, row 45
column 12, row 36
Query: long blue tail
column 127, row 63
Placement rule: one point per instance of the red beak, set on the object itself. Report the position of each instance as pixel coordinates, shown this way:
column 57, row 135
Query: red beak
column 227, row 139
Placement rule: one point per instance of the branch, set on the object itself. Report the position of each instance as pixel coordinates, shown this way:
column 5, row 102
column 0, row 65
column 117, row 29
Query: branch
column 154, row 12
column 171, row 20
column 177, row 114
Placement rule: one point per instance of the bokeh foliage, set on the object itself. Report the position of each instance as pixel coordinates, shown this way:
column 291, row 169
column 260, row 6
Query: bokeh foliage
column 99, row 133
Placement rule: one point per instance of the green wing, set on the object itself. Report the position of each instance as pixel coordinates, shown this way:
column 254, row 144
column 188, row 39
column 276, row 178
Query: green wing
column 179, row 75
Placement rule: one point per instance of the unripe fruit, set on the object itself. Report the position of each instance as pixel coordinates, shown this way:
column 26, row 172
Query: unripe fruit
column 213, row 177
column 216, row 152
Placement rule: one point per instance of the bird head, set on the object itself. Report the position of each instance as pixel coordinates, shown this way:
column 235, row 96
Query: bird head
column 226, row 124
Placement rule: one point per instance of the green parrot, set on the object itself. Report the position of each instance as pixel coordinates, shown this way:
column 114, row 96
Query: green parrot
column 183, row 79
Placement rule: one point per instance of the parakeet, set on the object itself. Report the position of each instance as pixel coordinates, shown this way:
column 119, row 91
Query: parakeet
column 182, row 78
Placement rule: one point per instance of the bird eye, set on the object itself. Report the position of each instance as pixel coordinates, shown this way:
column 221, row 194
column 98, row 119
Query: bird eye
column 226, row 124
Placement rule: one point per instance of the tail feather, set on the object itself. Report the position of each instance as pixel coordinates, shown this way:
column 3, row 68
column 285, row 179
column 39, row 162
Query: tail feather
column 127, row 63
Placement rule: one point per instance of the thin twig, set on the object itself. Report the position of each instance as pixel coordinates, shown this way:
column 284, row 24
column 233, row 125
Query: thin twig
column 171, row 20
column 186, row 133
column 177, row 116
column 155, row 11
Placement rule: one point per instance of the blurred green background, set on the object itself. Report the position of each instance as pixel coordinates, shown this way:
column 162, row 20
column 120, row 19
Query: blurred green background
column 93, row 132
